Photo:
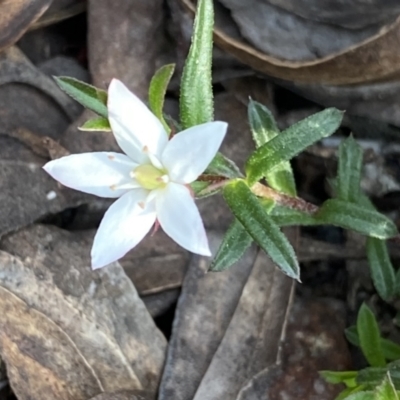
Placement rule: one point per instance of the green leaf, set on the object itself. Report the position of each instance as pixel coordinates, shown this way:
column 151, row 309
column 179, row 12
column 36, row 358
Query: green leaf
column 282, row 179
column 285, row 216
column 198, row 186
column 235, row 243
column 89, row 96
column 99, row 124
column 344, row 395
column 223, row 166
column 369, row 336
column 381, row 268
column 262, row 123
column 264, row 128
column 356, row 217
column 334, row 377
column 251, row 214
column 357, row 394
column 291, row 142
column 386, row 390
column 372, row 376
column 352, row 335
column 157, row 90
column 349, row 170
column 196, row 100
column 390, row 349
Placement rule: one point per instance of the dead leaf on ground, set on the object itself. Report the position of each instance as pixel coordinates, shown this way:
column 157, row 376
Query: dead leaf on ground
column 30, row 101
column 347, row 13
column 122, row 395
column 58, row 11
column 156, row 264
column 158, row 303
column 373, row 59
column 42, row 146
column 16, row 16
column 236, row 322
column 16, row 68
column 126, row 40
column 286, row 36
column 314, row 341
column 69, row 332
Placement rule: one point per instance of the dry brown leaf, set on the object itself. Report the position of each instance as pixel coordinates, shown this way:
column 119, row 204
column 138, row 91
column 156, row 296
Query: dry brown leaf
column 69, row 331
column 287, row 36
column 375, row 59
column 158, row 303
column 42, row 146
column 314, row 341
column 59, row 11
column 156, row 264
column 122, row 395
column 346, row 13
column 236, row 321
column 16, row 68
column 16, row 16
column 30, row 100
column 126, row 39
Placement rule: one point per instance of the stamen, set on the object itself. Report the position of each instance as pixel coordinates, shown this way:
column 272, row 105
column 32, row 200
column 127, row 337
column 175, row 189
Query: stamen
column 156, row 227
column 126, row 185
column 111, row 157
column 155, row 161
column 164, row 179
column 142, row 204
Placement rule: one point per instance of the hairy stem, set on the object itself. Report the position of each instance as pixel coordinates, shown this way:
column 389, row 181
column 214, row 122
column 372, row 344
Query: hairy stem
column 296, row 203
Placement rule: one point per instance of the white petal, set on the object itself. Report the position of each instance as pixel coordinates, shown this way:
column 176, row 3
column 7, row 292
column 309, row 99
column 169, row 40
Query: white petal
column 180, row 219
column 98, row 173
column 124, row 225
column 135, row 127
column 190, row 152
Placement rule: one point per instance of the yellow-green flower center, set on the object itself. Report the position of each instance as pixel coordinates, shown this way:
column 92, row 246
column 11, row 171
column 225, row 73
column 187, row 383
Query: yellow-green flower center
column 150, row 177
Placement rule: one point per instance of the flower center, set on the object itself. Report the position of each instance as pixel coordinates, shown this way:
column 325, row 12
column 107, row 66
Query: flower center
column 150, row 177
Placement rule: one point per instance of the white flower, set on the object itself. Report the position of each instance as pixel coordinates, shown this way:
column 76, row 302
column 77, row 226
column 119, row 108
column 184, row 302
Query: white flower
column 151, row 180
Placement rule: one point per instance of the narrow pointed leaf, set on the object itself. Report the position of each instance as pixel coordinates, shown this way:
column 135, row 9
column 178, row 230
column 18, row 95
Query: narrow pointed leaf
column 369, row 336
column 373, row 376
column 262, row 123
column 291, row 142
column 89, row 96
column 234, row 244
column 285, row 216
column 349, row 170
column 251, row 214
column 390, row 349
column 356, row 217
column 386, row 390
column 223, row 166
column 198, row 186
column 264, row 128
column 357, row 394
column 157, row 91
column 100, row 124
column 334, row 377
column 382, row 271
column 196, row 100
column 352, row 393
column 282, row 179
